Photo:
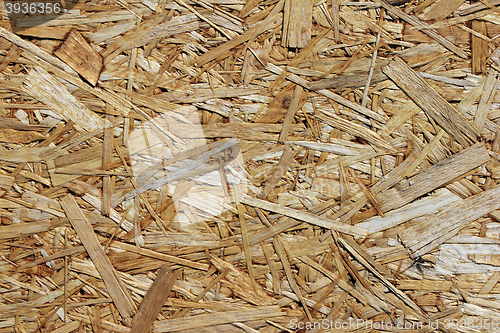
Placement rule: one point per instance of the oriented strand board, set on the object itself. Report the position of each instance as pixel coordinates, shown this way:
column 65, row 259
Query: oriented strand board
column 250, row 166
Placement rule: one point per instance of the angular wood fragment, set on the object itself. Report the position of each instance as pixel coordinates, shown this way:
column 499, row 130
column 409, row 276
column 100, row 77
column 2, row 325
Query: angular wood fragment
column 153, row 301
column 79, row 55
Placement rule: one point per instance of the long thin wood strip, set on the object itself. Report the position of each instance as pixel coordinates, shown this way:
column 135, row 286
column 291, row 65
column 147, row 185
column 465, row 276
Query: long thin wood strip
column 153, row 301
column 23, row 229
column 11, row 56
column 434, row 105
column 268, row 253
column 67, row 252
column 280, row 251
column 246, row 244
column 335, row 19
column 159, row 256
column 484, row 106
column 423, row 154
column 478, row 6
column 91, row 172
column 367, row 193
column 427, row 205
column 306, row 217
column 22, row 284
column 297, row 23
column 364, row 99
column 433, row 177
column 442, row 9
column 417, row 23
column 224, row 48
column 292, row 109
column 488, row 286
column 364, row 259
column 354, row 129
column 247, row 8
column 107, row 149
column 479, row 46
column 284, row 163
column 327, row 93
column 364, row 298
column 217, row 318
column 428, row 235
column 114, row 285
column 95, row 319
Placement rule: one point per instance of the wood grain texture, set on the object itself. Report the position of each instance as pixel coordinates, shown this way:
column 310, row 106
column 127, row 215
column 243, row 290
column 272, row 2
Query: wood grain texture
column 480, row 50
column 435, row 106
column 153, row 301
column 79, row 55
column 427, row 236
column 114, row 285
column 297, row 23
column 442, row 9
column 433, row 177
column 44, row 87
